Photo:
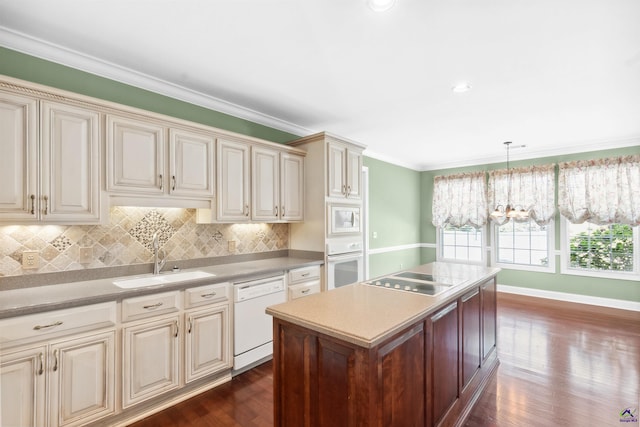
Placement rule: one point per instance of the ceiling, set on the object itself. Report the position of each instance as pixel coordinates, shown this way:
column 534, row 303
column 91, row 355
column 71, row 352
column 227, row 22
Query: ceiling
column 556, row 76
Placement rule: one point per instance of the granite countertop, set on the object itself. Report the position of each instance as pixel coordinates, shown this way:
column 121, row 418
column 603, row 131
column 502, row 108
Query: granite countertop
column 36, row 299
column 366, row 315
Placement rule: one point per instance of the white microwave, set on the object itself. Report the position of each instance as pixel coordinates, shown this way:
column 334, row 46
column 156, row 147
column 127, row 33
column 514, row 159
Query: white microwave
column 344, row 219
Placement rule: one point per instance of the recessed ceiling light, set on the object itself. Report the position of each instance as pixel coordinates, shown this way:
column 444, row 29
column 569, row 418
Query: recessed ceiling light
column 381, row 5
column 461, row 88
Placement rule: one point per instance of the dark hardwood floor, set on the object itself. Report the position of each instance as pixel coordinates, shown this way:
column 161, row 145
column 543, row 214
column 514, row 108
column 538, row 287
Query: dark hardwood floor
column 560, row 365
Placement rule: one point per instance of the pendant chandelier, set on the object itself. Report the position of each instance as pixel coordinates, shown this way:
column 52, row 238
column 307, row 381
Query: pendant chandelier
column 510, row 210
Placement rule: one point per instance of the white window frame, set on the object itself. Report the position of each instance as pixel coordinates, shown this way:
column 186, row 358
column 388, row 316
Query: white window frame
column 483, row 248
column 620, row 275
column 551, row 252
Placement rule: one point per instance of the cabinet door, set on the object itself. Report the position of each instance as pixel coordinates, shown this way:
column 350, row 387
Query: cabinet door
column 82, row 379
column 470, row 335
column 22, row 387
column 443, row 390
column 232, row 168
column 191, row 163
column 337, row 170
column 488, row 290
column 19, row 159
column 70, row 164
column 401, row 382
column 151, row 358
column 265, row 174
column 291, row 187
column 354, row 175
column 135, row 156
column 207, row 346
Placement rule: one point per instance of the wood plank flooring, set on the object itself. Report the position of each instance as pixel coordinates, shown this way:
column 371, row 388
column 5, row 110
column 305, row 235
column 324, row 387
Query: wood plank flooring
column 560, row 365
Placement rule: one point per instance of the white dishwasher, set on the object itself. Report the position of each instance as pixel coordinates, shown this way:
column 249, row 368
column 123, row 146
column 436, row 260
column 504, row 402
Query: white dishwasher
column 253, row 328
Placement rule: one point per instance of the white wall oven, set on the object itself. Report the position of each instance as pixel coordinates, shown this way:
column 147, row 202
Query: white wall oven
column 343, row 219
column 345, row 262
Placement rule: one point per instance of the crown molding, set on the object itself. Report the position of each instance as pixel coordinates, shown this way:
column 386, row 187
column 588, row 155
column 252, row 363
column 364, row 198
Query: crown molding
column 51, row 52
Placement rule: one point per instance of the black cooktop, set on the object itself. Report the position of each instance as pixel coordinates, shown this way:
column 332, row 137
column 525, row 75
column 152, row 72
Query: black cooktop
column 407, row 285
column 417, row 276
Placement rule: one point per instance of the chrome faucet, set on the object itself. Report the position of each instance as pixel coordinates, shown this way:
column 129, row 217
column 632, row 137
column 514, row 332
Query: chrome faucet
column 158, row 262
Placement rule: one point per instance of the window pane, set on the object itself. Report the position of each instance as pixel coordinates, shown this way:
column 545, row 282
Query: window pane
column 604, row 247
column 461, row 243
column 522, row 243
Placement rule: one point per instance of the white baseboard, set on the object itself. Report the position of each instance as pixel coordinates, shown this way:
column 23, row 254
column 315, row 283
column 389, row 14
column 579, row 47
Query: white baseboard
column 575, row 298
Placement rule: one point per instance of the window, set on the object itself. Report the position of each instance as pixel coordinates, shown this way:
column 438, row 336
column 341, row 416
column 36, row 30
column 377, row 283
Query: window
column 601, row 250
column 464, row 244
column 524, row 246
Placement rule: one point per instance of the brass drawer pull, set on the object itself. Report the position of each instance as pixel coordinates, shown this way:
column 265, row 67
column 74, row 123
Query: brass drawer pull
column 152, row 306
column 209, row 295
column 52, row 325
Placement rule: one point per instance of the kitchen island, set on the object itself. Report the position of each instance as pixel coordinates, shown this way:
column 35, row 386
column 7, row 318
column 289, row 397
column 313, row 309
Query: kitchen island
column 366, row 355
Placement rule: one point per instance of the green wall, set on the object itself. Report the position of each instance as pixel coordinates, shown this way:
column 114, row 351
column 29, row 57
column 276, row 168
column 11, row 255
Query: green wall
column 399, row 198
column 394, row 215
column 606, row 288
column 25, row 67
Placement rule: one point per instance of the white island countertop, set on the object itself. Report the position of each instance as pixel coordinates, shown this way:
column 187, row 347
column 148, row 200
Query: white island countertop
column 365, row 315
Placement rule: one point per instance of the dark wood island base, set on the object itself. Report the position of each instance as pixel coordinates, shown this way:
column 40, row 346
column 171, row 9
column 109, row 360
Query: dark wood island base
column 430, row 373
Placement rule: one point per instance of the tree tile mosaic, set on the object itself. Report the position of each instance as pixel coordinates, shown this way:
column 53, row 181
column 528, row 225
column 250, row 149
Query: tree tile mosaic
column 127, row 238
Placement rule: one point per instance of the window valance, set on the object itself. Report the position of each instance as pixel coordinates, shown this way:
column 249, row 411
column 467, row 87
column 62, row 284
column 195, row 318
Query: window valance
column 530, row 188
column 603, row 191
column 460, row 199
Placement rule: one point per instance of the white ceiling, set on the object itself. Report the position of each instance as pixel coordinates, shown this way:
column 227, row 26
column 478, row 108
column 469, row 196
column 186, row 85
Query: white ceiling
column 556, row 76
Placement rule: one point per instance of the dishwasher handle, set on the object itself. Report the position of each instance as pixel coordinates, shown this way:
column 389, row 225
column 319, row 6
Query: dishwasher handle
column 257, row 288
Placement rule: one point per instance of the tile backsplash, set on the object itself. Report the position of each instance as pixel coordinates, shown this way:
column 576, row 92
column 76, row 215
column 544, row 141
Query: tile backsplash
column 127, row 240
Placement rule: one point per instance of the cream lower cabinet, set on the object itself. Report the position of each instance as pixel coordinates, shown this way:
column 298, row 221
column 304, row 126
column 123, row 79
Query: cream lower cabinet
column 22, row 387
column 82, row 374
column 150, row 361
column 207, row 346
column 207, row 340
column 65, row 381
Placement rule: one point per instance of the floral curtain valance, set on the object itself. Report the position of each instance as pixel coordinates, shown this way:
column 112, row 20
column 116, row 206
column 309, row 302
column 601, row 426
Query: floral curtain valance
column 529, row 188
column 460, row 200
column 604, row 191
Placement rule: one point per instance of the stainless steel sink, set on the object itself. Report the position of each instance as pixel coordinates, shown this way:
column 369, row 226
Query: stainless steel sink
column 160, row 279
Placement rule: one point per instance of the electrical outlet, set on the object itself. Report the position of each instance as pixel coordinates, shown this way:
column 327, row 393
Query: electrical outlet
column 375, row 234
column 232, row 245
column 30, row 259
column 86, row 255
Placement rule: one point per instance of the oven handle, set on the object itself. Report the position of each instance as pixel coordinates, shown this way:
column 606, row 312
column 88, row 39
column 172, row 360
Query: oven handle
column 344, row 257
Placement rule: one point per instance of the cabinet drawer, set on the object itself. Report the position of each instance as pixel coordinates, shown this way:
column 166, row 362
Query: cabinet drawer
column 150, row 305
column 304, row 289
column 304, row 274
column 207, row 294
column 53, row 323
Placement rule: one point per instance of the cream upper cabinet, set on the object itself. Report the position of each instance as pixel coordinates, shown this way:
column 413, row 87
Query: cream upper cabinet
column 19, row 159
column 70, row 164
column 52, row 175
column 135, row 156
column 265, row 184
column 291, row 187
column 191, row 163
column 140, row 159
column 344, row 171
column 232, row 181
column 277, row 182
